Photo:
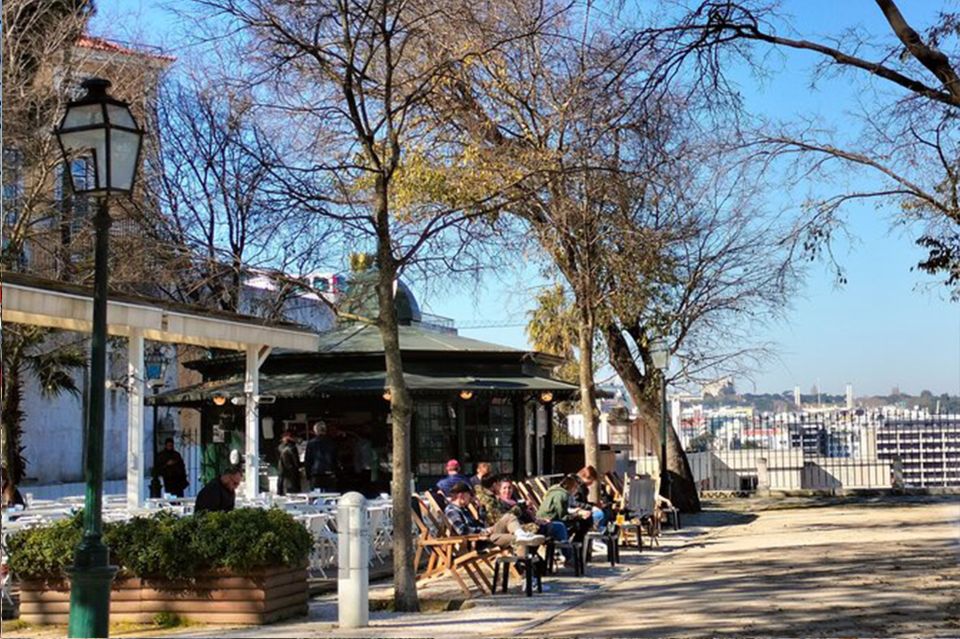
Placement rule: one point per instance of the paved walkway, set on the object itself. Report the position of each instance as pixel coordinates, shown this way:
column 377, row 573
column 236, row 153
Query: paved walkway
column 882, row 569
column 869, row 570
column 889, row 568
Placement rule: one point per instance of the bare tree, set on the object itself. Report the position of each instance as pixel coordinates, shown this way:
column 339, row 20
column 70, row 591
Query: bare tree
column 652, row 233
column 352, row 79
column 723, row 273
column 907, row 144
column 554, row 105
column 38, row 40
column 215, row 208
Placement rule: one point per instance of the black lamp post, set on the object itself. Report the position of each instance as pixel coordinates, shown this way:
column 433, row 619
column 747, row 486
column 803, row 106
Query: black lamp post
column 155, row 363
column 100, row 131
column 660, row 354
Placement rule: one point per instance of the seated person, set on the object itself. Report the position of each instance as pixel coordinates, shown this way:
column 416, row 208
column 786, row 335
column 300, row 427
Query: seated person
column 484, row 469
column 507, row 531
column 453, row 477
column 220, row 494
column 558, row 506
column 599, row 511
column 507, row 503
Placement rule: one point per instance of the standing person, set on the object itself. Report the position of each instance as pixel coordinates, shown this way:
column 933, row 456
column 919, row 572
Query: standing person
column 319, row 460
column 288, row 466
column 344, row 446
column 10, row 496
column 220, row 494
column 453, row 477
column 363, row 460
column 484, row 469
column 169, row 466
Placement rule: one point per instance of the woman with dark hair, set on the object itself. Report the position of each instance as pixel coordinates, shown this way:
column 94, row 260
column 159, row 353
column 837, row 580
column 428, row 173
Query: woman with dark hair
column 600, row 512
column 10, row 496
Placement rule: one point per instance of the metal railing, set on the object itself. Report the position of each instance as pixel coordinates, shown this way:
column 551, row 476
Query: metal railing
column 820, row 450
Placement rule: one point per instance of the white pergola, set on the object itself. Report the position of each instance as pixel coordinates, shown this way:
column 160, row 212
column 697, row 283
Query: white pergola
column 28, row 300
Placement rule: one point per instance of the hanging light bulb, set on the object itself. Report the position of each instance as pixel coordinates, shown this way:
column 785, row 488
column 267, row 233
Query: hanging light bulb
column 219, row 399
column 387, row 396
column 466, row 394
column 546, row 397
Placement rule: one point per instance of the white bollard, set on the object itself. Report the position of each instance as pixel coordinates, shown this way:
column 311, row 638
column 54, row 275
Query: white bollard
column 353, row 541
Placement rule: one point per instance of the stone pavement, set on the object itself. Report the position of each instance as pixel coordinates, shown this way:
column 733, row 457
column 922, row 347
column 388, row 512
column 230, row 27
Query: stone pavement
column 884, row 568
column 491, row 615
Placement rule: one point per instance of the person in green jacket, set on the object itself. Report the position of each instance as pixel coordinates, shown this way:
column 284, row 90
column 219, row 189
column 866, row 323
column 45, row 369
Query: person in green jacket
column 555, row 506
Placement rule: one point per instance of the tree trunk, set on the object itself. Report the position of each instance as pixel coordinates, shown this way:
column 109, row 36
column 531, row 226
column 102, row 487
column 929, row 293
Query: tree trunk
column 11, row 413
column 645, row 392
column 401, row 410
column 588, row 403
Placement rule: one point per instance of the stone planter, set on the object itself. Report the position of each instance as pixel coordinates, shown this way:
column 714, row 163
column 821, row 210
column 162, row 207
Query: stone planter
column 259, row 597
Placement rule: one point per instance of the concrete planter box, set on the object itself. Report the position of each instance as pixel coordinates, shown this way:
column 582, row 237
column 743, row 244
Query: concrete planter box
column 259, row 597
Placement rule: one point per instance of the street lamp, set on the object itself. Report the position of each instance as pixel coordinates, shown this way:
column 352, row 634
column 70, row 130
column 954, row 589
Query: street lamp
column 100, row 132
column 660, row 355
column 155, row 363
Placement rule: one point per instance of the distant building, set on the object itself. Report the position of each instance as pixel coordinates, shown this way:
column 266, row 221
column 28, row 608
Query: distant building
column 928, row 447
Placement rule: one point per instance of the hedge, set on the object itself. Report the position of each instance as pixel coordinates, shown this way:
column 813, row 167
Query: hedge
column 167, row 547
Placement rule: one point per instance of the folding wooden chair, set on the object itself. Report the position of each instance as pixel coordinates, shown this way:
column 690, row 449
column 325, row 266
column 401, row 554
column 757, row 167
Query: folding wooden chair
column 448, row 554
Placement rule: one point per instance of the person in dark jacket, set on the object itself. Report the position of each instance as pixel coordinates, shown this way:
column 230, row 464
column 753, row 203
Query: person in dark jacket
column 288, row 465
column 220, row 494
column 453, row 477
column 320, row 460
column 170, row 467
column 484, row 470
column 600, row 511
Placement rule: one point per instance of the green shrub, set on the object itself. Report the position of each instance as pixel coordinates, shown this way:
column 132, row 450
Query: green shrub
column 167, row 620
column 168, row 547
column 43, row 553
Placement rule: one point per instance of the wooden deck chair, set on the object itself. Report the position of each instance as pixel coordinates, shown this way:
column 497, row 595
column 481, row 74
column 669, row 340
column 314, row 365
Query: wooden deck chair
column 448, row 554
column 540, row 486
column 527, row 494
column 614, row 485
column 486, row 557
column 643, row 501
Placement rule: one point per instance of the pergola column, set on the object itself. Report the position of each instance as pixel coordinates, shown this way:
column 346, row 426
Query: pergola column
column 251, row 388
column 135, row 392
column 256, row 355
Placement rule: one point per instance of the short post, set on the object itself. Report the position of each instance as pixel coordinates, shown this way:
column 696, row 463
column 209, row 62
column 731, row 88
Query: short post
column 763, row 475
column 896, row 473
column 353, row 548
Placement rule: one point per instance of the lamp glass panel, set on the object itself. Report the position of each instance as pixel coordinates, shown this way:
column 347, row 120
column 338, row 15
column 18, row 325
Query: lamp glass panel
column 83, row 115
column 660, row 354
column 154, row 368
column 120, row 116
column 90, row 143
column 124, row 147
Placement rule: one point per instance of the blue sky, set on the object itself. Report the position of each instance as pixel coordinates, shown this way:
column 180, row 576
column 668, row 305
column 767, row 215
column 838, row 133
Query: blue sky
column 884, row 328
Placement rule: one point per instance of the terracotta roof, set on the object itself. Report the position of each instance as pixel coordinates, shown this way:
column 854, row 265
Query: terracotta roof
column 102, row 44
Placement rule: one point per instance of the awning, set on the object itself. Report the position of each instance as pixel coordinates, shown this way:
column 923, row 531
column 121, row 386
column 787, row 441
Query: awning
column 40, row 302
column 305, row 385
